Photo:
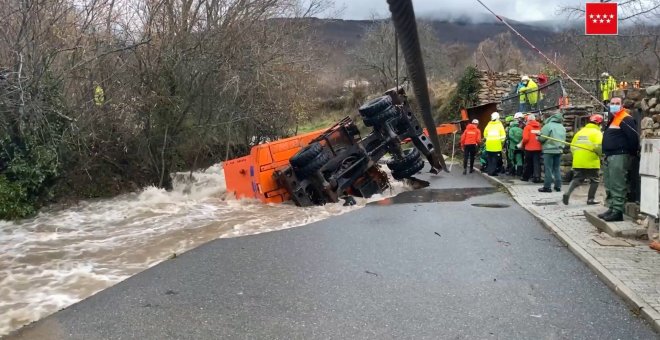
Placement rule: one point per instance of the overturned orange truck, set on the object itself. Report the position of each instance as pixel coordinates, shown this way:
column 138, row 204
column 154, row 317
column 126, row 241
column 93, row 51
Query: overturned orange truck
column 325, row 166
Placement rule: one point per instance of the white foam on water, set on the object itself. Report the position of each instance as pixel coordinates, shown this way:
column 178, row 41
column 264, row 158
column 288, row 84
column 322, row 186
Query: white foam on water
column 61, row 257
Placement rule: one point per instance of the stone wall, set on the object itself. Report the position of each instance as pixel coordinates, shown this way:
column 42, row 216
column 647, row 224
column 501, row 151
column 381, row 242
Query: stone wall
column 648, row 101
column 495, row 85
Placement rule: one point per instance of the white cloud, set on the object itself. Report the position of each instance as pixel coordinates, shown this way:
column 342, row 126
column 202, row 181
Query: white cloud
column 520, row 10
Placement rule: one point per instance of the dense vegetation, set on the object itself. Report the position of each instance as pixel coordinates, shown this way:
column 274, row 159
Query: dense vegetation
column 98, row 98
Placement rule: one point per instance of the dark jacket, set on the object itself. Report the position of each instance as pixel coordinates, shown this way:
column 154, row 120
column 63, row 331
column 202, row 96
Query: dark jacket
column 621, row 136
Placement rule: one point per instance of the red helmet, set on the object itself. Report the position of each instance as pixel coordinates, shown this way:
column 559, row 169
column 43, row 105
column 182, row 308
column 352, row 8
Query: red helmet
column 596, row 118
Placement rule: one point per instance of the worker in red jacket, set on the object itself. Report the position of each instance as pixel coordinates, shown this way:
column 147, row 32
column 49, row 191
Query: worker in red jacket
column 532, row 147
column 470, row 140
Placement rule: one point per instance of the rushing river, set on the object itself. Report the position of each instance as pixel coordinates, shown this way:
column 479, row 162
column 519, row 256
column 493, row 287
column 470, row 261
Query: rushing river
column 61, row 257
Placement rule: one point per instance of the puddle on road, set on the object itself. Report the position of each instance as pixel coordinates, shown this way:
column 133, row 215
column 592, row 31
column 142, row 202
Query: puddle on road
column 435, row 195
column 490, row 205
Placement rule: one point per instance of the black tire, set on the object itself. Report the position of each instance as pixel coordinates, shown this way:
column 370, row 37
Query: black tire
column 408, row 172
column 313, row 166
column 380, row 118
column 410, row 157
column 375, row 106
column 306, row 155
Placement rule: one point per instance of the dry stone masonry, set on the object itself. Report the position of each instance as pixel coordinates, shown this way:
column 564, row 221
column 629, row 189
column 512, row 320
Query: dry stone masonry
column 648, row 101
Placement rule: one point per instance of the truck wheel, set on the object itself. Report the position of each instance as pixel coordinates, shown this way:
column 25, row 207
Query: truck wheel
column 408, row 172
column 306, row 155
column 313, row 166
column 380, row 118
column 410, row 157
column 375, row 106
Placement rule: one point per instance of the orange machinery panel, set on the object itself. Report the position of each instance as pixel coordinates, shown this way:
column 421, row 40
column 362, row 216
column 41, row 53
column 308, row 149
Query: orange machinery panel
column 442, row 129
column 252, row 176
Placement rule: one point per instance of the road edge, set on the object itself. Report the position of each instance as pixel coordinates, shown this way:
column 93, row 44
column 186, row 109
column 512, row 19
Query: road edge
column 627, row 294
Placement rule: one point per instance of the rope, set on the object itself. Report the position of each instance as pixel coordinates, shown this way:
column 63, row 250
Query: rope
column 542, row 54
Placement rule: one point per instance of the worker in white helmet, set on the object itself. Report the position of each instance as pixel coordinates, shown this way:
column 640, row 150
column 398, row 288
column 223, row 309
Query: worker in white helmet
column 495, row 136
column 470, row 140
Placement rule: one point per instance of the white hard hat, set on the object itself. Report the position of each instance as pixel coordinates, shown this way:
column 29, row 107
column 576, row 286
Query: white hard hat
column 524, row 78
column 605, row 74
column 494, row 116
column 475, row 121
column 518, row 115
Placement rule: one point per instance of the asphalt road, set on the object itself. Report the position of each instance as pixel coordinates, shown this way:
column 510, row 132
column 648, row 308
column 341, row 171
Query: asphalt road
column 433, row 270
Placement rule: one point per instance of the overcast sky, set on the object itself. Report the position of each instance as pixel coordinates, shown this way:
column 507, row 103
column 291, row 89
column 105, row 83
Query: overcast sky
column 520, row 10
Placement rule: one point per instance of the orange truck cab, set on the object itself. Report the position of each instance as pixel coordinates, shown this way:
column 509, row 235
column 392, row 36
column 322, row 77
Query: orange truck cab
column 252, row 176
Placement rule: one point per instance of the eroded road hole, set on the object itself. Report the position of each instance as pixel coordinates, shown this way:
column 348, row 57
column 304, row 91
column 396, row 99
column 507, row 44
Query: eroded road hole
column 435, row 195
column 490, row 205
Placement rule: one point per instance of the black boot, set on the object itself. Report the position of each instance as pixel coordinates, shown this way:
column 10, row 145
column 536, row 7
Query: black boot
column 591, row 201
column 609, row 211
column 464, row 171
column 615, row 216
column 564, row 199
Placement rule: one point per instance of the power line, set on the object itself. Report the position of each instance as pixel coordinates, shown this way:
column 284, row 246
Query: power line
column 542, row 54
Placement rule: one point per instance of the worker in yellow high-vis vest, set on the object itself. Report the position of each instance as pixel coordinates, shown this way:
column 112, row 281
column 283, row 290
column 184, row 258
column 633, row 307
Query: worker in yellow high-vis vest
column 607, row 85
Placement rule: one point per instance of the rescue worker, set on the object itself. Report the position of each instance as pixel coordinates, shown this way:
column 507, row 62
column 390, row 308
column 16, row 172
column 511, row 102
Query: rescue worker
column 520, row 117
column 586, row 147
column 521, row 105
column 99, row 95
column 607, row 85
column 495, row 137
column 470, row 140
column 483, row 159
column 528, row 94
column 507, row 161
column 515, row 155
column 532, row 148
column 552, row 127
column 620, row 144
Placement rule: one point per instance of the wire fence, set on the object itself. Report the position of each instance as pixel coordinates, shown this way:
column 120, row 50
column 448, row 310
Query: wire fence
column 549, row 96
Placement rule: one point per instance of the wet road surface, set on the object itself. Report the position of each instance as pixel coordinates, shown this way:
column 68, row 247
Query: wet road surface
column 461, row 267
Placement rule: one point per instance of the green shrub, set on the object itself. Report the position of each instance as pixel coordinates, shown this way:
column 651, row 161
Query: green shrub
column 464, row 95
column 14, row 202
column 27, row 180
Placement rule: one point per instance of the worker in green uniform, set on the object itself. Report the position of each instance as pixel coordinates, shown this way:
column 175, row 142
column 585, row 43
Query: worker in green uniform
column 514, row 155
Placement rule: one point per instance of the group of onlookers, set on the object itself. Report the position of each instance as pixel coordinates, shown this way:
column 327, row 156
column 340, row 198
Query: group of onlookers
column 525, row 141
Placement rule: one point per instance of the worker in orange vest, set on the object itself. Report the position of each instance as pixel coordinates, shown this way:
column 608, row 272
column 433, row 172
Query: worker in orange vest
column 620, row 145
column 470, row 140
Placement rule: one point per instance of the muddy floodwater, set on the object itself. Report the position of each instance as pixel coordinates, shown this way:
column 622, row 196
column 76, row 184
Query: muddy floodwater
column 60, row 257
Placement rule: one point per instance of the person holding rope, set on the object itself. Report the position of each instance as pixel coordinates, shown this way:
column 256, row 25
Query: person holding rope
column 586, row 147
column 532, row 147
column 552, row 150
column 620, row 145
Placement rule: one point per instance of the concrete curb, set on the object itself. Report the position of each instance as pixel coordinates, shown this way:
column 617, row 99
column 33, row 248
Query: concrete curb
column 614, row 229
column 627, row 294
